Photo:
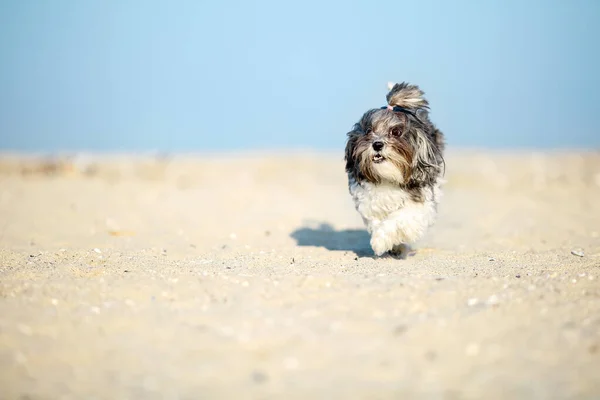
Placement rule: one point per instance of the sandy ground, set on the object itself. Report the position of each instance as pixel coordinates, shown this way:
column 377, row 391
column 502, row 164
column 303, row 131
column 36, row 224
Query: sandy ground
column 196, row 277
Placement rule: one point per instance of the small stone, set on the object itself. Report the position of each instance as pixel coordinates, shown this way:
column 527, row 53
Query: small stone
column 259, row 376
column 517, row 276
column 578, row 252
column 400, row 330
column 97, row 250
column 491, row 259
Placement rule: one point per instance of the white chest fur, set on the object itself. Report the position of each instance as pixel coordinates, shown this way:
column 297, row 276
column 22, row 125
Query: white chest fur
column 391, row 216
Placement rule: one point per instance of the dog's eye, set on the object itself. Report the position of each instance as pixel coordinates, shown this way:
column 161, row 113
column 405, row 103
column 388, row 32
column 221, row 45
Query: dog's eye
column 395, row 131
column 369, row 130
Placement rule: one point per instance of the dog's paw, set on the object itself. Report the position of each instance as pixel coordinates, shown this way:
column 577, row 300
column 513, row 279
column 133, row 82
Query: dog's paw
column 379, row 246
column 401, row 251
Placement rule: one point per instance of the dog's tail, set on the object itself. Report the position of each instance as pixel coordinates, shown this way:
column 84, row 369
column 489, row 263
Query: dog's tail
column 406, row 96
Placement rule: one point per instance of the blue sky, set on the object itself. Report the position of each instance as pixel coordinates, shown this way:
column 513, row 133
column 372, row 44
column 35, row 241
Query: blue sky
column 234, row 75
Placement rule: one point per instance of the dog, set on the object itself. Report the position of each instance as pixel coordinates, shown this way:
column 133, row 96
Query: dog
column 395, row 166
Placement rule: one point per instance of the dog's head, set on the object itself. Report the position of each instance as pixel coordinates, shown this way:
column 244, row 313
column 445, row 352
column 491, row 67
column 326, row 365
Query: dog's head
column 397, row 144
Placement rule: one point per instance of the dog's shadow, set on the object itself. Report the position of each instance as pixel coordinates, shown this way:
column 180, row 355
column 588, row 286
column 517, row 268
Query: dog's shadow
column 355, row 240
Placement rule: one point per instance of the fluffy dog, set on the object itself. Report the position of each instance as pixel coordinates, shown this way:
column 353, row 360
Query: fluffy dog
column 394, row 161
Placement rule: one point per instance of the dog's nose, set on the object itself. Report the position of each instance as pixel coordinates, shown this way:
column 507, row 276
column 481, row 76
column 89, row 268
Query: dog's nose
column 378, row 145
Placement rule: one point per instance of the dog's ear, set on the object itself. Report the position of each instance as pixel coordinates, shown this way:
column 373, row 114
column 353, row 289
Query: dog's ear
column 428, row 160
column 350, row 146
column 407, row 96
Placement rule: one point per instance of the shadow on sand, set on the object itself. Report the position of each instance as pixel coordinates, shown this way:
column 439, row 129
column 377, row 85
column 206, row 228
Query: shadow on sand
column 355, row 240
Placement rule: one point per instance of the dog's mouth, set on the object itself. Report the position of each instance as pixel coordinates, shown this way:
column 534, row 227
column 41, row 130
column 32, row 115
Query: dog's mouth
column 378, row 158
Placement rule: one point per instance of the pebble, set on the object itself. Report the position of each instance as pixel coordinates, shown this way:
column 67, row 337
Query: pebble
column 578, row 252
column 97, row 250
column 259, row 377
column 400, row 330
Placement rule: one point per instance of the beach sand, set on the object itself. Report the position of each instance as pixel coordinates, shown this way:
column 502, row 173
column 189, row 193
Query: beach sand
column 250, row 276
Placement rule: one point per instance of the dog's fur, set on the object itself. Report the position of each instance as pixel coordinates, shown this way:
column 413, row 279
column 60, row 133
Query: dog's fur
column 396, row 188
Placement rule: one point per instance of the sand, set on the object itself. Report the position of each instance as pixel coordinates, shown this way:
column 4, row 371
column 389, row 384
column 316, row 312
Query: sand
column 250, row 276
